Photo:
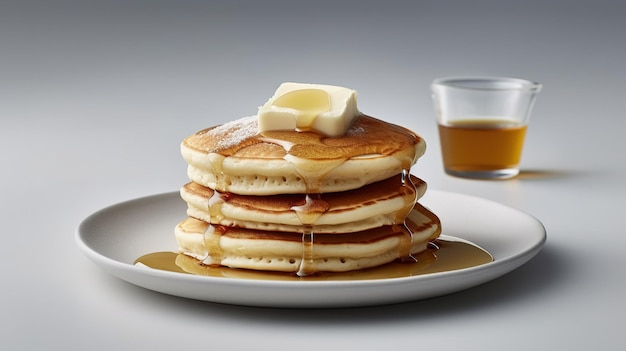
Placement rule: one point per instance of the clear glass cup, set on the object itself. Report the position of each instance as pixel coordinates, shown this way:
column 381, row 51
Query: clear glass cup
column 482, row 123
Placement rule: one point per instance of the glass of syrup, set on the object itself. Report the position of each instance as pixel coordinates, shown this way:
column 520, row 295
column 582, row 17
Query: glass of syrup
column 482, row 123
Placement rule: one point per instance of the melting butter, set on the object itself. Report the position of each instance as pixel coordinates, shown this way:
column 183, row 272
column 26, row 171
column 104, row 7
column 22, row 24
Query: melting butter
column 308, row 103
column 327, row 109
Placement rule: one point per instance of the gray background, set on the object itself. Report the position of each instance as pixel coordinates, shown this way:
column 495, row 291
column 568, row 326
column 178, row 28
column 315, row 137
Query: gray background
column 95, row 97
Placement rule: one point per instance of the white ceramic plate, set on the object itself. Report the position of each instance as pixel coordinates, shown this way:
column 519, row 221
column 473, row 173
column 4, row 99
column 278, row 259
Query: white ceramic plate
column 116, row 236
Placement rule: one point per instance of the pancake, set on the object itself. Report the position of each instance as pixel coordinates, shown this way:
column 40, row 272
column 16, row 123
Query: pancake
column 235, row 158
column 368, row 207
column 283, row 251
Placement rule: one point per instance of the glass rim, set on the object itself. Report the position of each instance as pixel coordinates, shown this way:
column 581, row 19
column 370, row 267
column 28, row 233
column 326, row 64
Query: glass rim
column 486, row 83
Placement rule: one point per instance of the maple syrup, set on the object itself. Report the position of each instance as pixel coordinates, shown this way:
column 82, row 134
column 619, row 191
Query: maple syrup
column 441, row 256
column 481, row 145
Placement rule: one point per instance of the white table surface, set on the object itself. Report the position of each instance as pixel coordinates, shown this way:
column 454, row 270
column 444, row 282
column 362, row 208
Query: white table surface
column 95, row 98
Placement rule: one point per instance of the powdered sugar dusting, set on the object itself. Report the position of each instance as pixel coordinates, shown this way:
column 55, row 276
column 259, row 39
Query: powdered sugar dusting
column 355, row 129
column 234, row 132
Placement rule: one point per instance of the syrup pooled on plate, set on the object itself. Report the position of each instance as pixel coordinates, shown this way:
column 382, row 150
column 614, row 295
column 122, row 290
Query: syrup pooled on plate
column 441, row 256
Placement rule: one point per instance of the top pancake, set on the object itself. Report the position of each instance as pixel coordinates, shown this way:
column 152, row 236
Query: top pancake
column 236, row 158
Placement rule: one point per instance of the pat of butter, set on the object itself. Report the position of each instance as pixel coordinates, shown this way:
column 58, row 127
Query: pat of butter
column 327, row 109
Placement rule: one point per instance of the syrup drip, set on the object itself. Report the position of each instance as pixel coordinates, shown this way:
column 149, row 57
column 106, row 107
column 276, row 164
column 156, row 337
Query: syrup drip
column 308, row 215
column 410, row 197
column 211, row 235
column 307, row 265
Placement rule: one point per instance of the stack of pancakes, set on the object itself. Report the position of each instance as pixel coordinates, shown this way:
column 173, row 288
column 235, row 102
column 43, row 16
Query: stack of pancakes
column 302, row 202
